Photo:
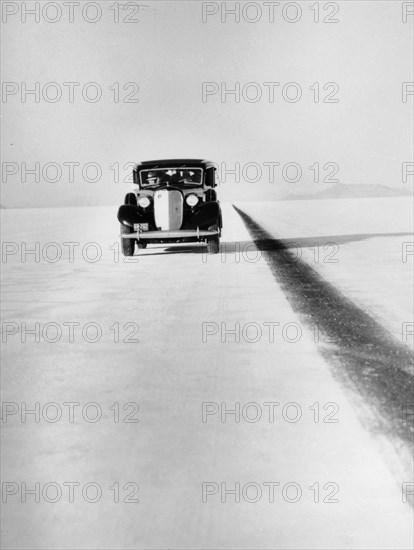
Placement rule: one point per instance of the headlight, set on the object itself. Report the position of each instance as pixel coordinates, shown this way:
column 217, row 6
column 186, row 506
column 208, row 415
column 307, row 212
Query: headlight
column 144, row 202
column 191, row 200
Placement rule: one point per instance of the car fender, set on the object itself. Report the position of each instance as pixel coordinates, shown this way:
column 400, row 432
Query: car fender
column 129, row 215
column 205, row 215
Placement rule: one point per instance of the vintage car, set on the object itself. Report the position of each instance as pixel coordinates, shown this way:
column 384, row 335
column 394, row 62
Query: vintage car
column 174, row 201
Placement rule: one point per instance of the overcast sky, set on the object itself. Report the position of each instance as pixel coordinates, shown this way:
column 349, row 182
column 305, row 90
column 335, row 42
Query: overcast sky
column 169, row 53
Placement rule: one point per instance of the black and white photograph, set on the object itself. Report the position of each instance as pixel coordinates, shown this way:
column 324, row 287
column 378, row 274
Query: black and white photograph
column 207, row 275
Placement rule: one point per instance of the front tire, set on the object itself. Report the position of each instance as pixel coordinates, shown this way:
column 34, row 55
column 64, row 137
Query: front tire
column 127, row 245
column 213, row 243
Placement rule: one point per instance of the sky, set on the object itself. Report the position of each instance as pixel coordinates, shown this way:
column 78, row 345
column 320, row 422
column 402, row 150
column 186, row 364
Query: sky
column 151, row 73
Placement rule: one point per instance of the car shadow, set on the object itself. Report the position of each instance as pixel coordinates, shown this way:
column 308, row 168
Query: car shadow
column 159, row 251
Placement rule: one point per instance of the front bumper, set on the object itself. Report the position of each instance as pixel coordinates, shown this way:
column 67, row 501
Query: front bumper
column 179, row 234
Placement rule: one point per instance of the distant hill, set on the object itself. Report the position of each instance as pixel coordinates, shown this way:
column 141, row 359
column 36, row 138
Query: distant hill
column 344, row 191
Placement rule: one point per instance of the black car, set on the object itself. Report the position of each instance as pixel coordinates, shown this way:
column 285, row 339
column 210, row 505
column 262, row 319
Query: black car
column 174, row 201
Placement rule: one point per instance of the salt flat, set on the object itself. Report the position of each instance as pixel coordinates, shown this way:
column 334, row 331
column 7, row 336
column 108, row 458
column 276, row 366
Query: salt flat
column 170, row 372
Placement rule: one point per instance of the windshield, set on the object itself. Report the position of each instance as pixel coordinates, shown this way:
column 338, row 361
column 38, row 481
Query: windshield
column 171, row 176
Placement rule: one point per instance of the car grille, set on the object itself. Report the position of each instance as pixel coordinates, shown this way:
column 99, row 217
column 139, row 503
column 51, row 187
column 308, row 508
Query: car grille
column 168, row 209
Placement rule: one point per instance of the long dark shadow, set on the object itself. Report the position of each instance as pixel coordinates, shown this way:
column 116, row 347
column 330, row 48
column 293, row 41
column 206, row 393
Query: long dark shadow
column 365, row 356
column 298, row 242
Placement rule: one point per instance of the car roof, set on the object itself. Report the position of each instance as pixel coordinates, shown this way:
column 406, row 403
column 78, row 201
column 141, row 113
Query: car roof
column 174, row 163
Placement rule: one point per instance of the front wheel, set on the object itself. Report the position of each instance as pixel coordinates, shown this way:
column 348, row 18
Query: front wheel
column 213, row 243
column 127, row 245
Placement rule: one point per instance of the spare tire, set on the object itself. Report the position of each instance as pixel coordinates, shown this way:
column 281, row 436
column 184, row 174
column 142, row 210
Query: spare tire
column 131, row 199
column 211, row 195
